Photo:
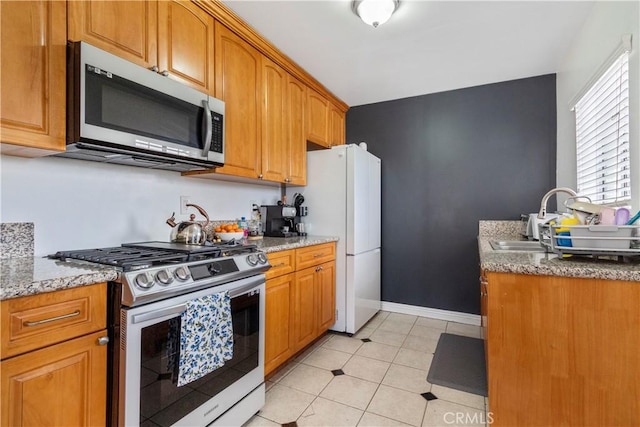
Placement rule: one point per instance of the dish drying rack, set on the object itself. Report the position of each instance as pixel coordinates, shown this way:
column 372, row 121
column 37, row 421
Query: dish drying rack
column 591, row 240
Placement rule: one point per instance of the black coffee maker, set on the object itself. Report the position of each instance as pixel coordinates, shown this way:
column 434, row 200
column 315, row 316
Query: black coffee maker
column 278, row 220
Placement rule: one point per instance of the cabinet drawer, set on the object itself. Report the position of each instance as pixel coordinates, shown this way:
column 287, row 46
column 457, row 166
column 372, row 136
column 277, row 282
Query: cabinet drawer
column 40, row 320
column 314, row 255
column 282, row 262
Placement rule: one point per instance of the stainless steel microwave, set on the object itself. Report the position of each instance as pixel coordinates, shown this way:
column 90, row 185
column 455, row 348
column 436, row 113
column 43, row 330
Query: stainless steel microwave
column 120, row 112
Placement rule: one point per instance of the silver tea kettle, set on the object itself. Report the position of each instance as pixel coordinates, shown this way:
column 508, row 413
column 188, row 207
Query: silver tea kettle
column 189, row 232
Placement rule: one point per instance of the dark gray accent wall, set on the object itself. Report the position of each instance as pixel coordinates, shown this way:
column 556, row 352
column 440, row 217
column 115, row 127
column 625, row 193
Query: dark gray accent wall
column 449, row 160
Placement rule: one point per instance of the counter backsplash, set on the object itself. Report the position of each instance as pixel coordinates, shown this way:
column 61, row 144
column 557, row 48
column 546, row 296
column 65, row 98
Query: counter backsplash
column 16, row 239
column 501, row 228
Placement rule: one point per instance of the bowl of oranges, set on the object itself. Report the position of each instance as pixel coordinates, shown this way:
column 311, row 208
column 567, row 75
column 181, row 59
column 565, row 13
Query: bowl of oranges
column 227, row 232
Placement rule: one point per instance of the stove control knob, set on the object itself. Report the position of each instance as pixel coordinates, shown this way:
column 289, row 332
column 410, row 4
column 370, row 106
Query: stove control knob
column 181, row 273
column 252, row 259
column 262, row 258
column 143, row 281
column 164, row 277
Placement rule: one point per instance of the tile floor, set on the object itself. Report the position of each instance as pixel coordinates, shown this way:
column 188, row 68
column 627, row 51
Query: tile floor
column 378, row 377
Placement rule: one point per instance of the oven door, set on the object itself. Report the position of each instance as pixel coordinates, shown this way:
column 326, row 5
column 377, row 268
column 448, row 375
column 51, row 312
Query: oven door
column 147, row 391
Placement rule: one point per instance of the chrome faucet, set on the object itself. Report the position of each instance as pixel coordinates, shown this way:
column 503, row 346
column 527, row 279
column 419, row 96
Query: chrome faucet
column 543, row 204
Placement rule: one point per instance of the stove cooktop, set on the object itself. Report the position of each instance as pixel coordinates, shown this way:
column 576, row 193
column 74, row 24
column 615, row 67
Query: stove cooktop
column 138, row 256
column 150, row 271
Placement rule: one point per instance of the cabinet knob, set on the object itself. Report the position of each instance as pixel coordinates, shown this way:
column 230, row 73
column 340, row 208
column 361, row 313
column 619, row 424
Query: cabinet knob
column 154, row 68
column 165, row 73
column 287, row 180
column 103, row 340
column 260, row 176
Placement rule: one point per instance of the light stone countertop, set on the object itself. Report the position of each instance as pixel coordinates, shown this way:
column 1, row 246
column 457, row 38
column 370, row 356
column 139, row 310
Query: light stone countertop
column 545, row 264
column 27, row 275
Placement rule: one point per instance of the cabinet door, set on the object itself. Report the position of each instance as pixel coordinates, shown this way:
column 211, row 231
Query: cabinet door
column 317, row 118
column 296, row 110
column 275, row 144
column 127, row 29
column 325, row 296
column 238, row 84
column 277, row 324
column 61, row 385
column 33, row 44
column 336, row 136
column 304, row 308
column 186, row 43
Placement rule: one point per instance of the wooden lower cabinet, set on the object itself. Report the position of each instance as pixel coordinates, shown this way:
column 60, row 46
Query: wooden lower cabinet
column 60, row 385
column 278, row 313
column 54, row 358
column 562, row 351
column 300, row 305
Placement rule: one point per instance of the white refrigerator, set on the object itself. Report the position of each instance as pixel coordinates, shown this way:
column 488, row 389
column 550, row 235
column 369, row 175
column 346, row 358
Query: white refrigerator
column 343, row 199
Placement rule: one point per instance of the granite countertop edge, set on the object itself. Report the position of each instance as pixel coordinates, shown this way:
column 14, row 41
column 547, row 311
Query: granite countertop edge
column 551, row 264
column 27, row 275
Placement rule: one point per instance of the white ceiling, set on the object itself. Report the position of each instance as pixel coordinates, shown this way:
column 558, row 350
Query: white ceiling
column 426, row 47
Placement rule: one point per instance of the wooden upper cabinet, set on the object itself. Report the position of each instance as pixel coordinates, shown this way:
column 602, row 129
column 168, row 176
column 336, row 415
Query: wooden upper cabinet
column 174, row 38
column 238, row 84
column 275, row 140
column 296, row 108
column 337, row 127
column 317, row 118
column 186, row 44
column 125, row 28
column 33, row 43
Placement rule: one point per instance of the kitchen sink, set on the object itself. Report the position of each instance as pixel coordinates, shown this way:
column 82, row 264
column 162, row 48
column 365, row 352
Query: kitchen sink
column 517, row 245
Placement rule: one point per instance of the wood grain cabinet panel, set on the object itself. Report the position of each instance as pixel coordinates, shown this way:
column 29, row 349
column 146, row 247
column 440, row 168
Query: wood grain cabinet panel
column 278, row 321
column 186, row 44
column 317, row 118
column 128, row 29
column 32, row 73
column 239, row 84
column 40, row 320
column 314, row 255
column 337, row 126
column 296, row 112
column 326, row 295
column 563, row 351
column 305, row 316
column 282, row 262
column 173, row 37
column 61, row 385
column 275, row 139
column 54, row 358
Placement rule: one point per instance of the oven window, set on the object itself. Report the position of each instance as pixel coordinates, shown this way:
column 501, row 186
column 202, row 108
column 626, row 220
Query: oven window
column 162, row 402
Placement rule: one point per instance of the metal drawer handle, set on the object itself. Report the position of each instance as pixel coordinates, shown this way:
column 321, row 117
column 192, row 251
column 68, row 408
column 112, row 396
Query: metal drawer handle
column 317, row 255
column 282, row 264
column 52, row 319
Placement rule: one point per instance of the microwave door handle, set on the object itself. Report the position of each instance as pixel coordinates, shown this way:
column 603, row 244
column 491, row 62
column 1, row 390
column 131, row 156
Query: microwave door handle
column 207, row 128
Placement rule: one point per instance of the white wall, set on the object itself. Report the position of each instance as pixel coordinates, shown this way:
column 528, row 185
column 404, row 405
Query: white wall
column 79, row 204
column 599, row 37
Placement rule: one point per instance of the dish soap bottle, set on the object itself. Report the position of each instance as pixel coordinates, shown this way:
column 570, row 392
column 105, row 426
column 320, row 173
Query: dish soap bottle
column 245, row 226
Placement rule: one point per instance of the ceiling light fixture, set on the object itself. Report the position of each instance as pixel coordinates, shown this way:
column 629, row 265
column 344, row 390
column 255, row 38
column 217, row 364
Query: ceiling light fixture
column 374, row 12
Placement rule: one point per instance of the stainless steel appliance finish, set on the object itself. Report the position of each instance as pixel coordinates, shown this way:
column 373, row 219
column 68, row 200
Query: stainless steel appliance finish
column 156, row 281
column 119, row 112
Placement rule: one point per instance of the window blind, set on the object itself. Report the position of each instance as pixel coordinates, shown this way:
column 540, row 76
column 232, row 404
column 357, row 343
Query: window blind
column 602, row 134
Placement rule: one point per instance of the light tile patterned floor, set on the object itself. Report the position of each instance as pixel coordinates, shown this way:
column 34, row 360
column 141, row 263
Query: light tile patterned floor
column 383, row 382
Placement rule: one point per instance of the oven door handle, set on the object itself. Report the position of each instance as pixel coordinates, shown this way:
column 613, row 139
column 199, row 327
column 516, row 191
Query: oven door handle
column 176, row 309
column 246, row 288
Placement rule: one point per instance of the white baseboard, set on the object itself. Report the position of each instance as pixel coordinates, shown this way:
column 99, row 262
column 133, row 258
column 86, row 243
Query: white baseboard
column 434, row 313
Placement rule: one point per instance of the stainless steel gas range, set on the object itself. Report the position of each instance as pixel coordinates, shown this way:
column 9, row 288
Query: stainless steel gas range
column 157, row 283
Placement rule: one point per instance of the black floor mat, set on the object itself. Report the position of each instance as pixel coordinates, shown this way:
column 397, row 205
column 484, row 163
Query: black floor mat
column 459, row 363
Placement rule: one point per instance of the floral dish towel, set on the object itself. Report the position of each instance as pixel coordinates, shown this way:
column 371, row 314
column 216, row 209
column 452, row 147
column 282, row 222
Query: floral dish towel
column 206, row 337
